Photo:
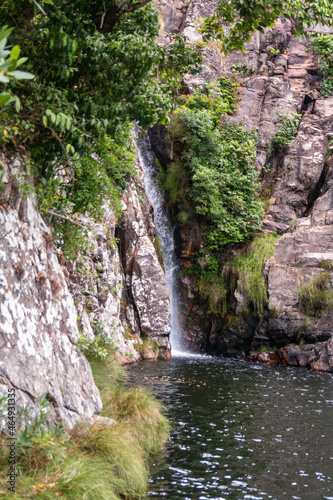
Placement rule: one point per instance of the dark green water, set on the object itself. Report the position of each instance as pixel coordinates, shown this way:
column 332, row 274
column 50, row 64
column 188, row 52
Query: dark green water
column 241, row 431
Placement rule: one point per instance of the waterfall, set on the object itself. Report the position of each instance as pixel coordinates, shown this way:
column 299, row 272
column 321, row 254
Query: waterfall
column 165, row 234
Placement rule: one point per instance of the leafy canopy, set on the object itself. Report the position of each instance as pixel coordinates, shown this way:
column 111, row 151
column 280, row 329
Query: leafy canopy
column 247, row 16
column 97, row 69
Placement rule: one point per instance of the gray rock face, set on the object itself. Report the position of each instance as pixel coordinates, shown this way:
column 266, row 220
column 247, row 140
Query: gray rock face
column 38, row 321
column 145, row 280
column 96, row 282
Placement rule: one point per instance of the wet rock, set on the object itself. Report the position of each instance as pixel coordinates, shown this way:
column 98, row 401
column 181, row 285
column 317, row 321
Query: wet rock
column 321, row 357
column 145, row 277
column 295, row 355
column 266, row 358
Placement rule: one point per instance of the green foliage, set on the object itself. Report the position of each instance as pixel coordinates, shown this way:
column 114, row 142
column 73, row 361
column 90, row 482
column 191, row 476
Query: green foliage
column 286, row 133
column 10, row 60
column 242, row 69
column 178, row 58
column 90, row 84
column 100, row 346
column 100, row 461
column 246, row 16
column 213, row 180
column 315, row 296
column 219, row 160
column 250, row 270
column 323, row 45
column 214, row 289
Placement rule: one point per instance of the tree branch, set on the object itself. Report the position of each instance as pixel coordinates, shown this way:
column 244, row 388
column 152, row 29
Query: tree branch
column 65, row 218
column 136, row 6
column 110, row 18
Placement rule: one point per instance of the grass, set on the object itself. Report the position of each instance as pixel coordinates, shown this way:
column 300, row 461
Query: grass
column 148, row 349
column 250, row 268
column 214, row 290
column 102, row 461
column 315, row 297
column 176, row 182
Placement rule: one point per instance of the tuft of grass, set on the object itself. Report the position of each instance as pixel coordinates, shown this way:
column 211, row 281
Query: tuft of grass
column 148, row 349
column 99, row 461
column 250, row 268
column 176, row 181
column 315, row 297
column 183, row 217
column 214, row 290
column 326, row 264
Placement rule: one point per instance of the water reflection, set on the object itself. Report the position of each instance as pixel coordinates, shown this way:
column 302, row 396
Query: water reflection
column 241, row 431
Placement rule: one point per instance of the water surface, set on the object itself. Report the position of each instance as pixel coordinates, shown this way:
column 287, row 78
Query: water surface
column 241, row 431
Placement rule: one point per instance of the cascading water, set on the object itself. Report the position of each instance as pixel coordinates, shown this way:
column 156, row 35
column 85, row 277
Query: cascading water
column 165, row 235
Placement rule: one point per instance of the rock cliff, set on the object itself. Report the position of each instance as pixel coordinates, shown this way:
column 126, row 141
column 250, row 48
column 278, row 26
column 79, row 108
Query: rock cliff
column 280, row 75
column 47, row 302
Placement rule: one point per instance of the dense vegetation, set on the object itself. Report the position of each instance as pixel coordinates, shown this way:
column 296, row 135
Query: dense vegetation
column 323, row 45
column 212, row 180
column 247, row 16
column 100, row 462
column 90, row 84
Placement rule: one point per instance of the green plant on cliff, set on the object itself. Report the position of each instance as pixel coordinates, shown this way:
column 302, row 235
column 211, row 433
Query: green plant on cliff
column 102, row 462
column 323, row 45
column 247, row 16
column 315, row 296
column 213, row 179
column 286, row 133
column 250, row 268
column 96, row 72
column 215, row 171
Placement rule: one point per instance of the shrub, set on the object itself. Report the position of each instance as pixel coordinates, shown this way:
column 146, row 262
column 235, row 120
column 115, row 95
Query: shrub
column 315, row 297
column 287, row 132
column 323, row 45
column 148, row 349
column 250, row 268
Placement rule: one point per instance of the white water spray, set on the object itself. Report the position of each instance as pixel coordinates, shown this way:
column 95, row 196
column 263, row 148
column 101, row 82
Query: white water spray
column 165, row 235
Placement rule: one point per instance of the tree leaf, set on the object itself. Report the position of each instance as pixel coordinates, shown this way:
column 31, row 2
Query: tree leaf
column 15, row 52
column 22, row 75
column 5, row 97
column 3, row 78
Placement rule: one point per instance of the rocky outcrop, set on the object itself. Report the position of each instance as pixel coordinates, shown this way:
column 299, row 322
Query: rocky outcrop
column 47, row 302
column 38, row 321
column 279, row 76
column 147, row 295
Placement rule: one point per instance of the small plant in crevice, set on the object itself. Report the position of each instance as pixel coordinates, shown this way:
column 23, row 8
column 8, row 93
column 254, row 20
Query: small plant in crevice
column 250, row 268
column 242, row 68
column 282, row 139
column 326, row 264
column 315, row 296
column 323, row 46
column 100, row 346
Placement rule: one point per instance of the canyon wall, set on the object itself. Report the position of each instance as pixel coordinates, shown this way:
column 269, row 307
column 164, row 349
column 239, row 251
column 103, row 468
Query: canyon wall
column 116, row 287
column 279, row 75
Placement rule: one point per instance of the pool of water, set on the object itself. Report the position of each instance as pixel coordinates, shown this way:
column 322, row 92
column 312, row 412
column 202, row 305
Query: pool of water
column 241, row 431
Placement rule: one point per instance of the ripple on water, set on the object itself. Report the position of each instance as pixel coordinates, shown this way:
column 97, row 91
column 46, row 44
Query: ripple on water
column 241, row 431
